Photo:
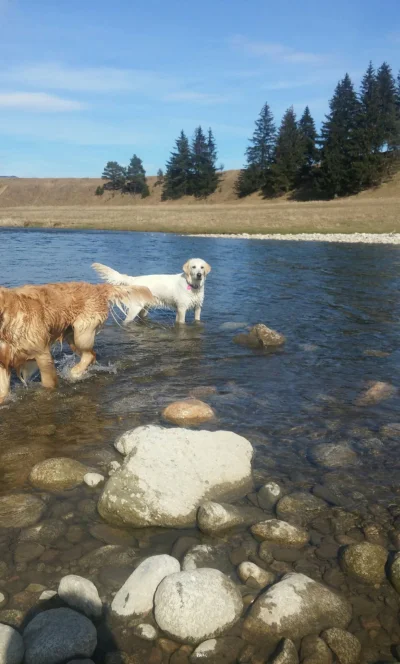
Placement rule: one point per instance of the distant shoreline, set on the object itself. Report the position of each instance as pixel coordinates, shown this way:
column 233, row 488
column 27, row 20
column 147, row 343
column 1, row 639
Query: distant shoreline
column 350, row 238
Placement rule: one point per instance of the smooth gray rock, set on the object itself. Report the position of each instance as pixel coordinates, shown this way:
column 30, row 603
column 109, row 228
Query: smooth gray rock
column 57, row 635
column 20, row 510
column 293, row 608
column 170, row 472
column 81, row 594
column 57, row 474
column 192, row 607
column 300, row 508
column 215, row 518
column 268, row 495
column 136, row 596
column 11, row 645
column 346, row 646
column 218, row 651
column 333, row 455
column 365, row 562
column 281, row 533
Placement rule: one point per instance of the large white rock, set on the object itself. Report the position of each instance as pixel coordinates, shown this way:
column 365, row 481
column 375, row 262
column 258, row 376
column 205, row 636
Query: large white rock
column 293, row 608
column 11, row 645
column 58, row 635
column 136, row 596
column 195, row 606
column 80, row 593
column 170, row 472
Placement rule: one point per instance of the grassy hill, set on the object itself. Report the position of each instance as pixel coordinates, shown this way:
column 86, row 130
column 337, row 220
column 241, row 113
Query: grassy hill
column 72, row 203
column 20, row 192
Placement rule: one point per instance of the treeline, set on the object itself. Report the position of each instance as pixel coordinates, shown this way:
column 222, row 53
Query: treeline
column 357, row 147
column 190, row 171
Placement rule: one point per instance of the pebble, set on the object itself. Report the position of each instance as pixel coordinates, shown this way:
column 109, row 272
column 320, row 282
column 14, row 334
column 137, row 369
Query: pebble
column 146, row 632
column 57, row 474
column 268, row 495
column 259, row 578
column 188, row 412
column 93, row 479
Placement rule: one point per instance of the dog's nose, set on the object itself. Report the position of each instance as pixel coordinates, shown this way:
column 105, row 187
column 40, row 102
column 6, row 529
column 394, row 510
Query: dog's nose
column 199, row 275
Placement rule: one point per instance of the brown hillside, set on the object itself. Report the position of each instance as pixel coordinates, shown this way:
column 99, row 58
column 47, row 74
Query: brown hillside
column 39, row 192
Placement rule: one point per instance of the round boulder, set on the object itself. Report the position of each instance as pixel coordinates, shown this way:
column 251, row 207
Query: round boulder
column 188, row 412
column 333, row 455
column 195, row 606
column 365, row 562
column 59, row 474
column 281, row 533
column 20, row 510
column 300, row 508
column 261, row 336
column 58, row 635
column 11, row 645
column 346, row 647
column 293, row 608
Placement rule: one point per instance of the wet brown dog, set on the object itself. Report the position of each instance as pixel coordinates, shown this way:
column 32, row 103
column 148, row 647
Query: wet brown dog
column 32, row 318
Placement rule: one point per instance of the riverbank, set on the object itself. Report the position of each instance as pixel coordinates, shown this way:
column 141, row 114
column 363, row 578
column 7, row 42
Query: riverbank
column 340, row 217
column 350, row 238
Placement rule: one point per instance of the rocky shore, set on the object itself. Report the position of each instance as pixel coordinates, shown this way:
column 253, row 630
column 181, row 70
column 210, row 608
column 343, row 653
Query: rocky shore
column 351, row 238
column 262, row 573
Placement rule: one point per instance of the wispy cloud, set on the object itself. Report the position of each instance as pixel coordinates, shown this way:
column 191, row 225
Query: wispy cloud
column 38, row 101
column 55, row 76
column 276, row 51
column 196, row 97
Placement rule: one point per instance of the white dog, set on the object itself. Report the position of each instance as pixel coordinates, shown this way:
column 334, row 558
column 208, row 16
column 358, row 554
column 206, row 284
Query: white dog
column 180, row 292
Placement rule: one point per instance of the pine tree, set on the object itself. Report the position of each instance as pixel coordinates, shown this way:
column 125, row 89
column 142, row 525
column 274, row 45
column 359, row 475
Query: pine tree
column 160, row 178
column 340, row 154
column 288, row 155
column 136, row 178
column 387, row 125
column 204, row 172
column 260, row 155
column 178, row 174
column 308, row 134
column 368, row 132
column 115, row 174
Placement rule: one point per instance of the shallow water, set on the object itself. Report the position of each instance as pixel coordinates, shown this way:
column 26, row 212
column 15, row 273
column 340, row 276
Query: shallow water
column 333, row 303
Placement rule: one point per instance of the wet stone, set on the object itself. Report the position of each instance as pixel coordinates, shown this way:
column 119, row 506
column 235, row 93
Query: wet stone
column 112, row 554
column 20, row 510
column 11, row 646
column 300, row 508
column 365, row 562
column 27, row 551
column 281, row 533
column 346, row 647
column 315, row 651
column 333, row 455
column 268, row 495
column 58, row 474
column 110, row 535
column 45, row 532
column 286, row 654
column 188, row 412
column 224, row 650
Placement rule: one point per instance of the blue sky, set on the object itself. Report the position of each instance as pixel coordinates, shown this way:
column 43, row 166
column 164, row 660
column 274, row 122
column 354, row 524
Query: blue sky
column 84, row 82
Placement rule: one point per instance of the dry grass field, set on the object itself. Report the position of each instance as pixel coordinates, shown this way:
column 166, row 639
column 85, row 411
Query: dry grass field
column 71, row 203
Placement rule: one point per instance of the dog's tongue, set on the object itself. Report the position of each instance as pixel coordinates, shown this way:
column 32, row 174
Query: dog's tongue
column 189, row 287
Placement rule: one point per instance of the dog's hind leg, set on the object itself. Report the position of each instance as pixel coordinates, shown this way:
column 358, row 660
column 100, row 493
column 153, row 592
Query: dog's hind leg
column 84, row 341
column 5, row 376
column 47, row 369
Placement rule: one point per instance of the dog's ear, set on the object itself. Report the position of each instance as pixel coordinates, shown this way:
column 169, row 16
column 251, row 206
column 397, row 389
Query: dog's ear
column 186, row 268
column 207, row 268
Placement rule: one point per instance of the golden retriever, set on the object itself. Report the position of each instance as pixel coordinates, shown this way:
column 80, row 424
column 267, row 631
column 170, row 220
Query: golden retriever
column 32, row 318
column 181, row 292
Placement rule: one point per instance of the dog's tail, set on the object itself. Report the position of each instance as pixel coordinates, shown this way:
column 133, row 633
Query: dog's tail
column 130, row 300
column 110, row 275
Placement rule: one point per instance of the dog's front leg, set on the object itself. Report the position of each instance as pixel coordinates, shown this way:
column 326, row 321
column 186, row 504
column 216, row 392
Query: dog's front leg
column 47, row 369
column 197, row 312
column 181, row 316
column 5, row 376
